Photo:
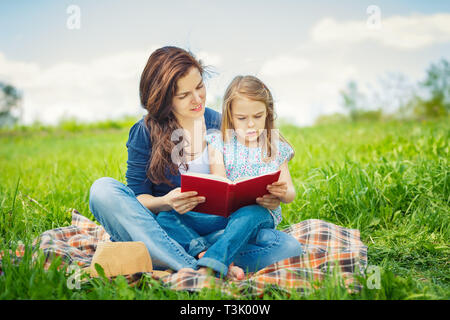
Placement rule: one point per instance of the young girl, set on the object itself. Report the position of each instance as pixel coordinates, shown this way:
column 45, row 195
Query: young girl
column 250, row 147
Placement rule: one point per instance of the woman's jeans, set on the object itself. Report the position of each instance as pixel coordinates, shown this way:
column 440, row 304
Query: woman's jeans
column 115, row 206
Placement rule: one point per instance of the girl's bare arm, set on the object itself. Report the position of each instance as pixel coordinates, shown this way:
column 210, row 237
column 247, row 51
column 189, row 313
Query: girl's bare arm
column 216, row 164
column 283, row 188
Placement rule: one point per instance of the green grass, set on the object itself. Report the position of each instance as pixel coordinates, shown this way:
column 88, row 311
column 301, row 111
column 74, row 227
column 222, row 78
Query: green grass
column 389, row 180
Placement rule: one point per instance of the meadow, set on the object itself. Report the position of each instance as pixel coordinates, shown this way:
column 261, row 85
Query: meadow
column 390, row 180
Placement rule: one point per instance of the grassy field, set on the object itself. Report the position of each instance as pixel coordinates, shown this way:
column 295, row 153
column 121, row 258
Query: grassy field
column 389, row 180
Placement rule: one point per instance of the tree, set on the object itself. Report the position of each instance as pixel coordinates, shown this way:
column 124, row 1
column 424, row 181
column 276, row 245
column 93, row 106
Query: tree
column 394, row 94
column 352, row 99
column 436, row 85
column 10, row 104
column 438, row 80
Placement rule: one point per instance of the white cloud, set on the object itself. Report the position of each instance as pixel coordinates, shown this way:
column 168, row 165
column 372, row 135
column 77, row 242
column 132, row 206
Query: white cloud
column 17, row 69
column 106, row 87
column 307, row 82
column 284, row 65
column 209, row 58
column 403, row 32
column 306, row 87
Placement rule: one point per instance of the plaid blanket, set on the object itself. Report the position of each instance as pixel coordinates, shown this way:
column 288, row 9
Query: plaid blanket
column 327, row 248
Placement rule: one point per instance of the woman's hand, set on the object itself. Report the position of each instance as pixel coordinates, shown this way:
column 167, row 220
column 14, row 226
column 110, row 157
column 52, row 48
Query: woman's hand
column 183, row 202
column 268, row 201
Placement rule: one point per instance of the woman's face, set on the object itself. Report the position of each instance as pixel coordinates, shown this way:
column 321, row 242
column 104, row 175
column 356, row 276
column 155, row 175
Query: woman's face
column 189, row 100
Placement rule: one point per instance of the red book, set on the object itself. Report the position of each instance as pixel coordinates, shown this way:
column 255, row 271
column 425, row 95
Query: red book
column 223, row 196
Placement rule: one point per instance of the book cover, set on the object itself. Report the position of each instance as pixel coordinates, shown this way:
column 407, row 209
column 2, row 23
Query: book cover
column 224, row 196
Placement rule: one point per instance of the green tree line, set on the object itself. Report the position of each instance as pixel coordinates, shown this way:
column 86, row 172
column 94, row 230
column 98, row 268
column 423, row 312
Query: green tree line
column 428, row 99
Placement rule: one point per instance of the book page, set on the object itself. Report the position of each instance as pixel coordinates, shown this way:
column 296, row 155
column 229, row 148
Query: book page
column 208, row 176
column 246, row 191
column 249, row 178
column 243, row 179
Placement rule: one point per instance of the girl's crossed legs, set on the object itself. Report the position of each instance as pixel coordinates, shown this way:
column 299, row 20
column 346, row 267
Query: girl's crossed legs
column 247, row 237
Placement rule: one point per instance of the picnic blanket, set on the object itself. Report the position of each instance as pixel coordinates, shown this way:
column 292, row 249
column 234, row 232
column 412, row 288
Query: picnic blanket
column 327, row 248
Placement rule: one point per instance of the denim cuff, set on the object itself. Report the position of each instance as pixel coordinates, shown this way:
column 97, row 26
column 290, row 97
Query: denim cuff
column 217, row 266
column 196, row 246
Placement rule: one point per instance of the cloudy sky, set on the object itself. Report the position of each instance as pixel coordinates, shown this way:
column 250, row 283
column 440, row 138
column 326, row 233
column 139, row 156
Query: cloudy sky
column 84, row 58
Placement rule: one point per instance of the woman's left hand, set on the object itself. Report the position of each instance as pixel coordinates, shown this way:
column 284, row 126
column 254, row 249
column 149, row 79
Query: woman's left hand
column 268, row 201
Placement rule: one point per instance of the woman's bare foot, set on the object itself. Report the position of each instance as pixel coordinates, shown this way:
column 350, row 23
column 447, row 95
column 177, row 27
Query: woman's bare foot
column 182, row 270
column 205, row 271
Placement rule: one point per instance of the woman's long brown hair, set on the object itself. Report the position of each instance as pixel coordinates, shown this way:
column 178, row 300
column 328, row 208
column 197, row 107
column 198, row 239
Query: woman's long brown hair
column 158, row 86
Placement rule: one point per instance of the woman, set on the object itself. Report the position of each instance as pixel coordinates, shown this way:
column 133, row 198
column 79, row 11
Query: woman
column 173, row 93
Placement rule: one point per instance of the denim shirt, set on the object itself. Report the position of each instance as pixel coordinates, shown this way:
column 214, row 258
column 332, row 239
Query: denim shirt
column 139, row 151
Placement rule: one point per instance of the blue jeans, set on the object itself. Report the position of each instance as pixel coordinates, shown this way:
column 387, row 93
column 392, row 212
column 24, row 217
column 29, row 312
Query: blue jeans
column 116, row 208
column 222, row 237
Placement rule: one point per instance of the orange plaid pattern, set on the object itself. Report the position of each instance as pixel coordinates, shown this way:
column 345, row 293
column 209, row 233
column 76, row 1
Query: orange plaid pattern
column 328, row 248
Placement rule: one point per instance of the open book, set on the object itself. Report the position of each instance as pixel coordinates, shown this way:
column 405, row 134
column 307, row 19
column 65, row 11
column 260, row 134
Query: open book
column 224, row 196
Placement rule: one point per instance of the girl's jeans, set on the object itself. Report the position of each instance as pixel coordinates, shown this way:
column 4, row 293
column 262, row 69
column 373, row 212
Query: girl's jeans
column 223, row 238
column 115, row 206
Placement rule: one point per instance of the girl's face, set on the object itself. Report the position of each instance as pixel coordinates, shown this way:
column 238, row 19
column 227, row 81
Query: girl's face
column 189, row 100
column 249, row 119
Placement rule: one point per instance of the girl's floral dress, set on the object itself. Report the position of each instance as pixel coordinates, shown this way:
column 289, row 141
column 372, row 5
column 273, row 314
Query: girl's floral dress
column 242, row 161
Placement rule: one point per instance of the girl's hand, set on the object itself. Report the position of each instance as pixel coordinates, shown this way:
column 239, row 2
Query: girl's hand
column 183, row 202
column 278, row 189
column 268, row 201
column 277, row 192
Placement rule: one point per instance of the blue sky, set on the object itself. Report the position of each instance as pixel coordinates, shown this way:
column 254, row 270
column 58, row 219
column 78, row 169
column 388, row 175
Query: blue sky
column 305, row 52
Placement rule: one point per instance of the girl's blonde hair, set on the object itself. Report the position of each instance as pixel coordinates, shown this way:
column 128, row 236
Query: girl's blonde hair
column 254, row 89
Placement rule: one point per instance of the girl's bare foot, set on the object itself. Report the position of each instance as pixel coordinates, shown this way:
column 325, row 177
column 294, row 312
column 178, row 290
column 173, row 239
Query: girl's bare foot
column 235, row 273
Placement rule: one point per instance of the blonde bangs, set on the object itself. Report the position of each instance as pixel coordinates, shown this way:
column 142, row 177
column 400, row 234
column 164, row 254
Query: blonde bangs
column 254, row 89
